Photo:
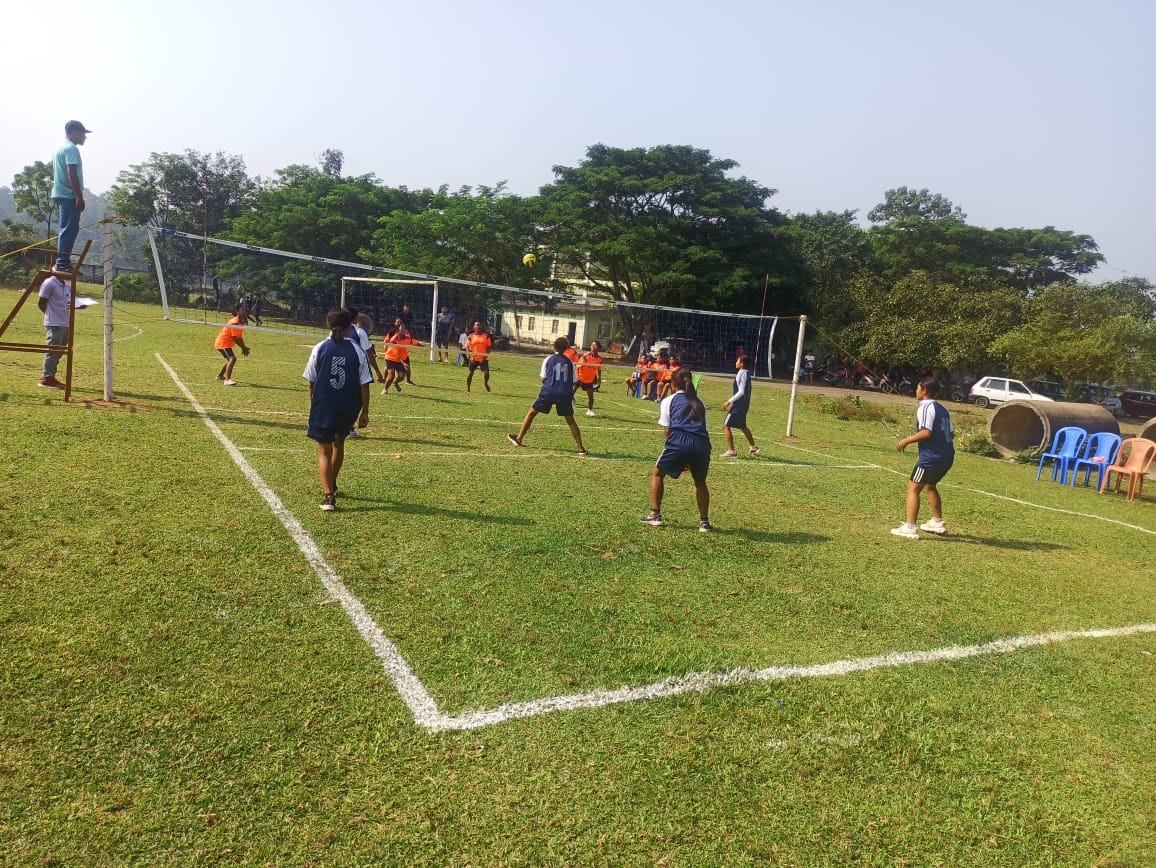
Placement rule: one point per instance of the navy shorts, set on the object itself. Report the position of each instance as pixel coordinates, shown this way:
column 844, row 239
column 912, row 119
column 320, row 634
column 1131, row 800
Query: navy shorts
column 228, row 353
column 674, row 460
column 485, row 366
column 329, row 434
column 564, row 406
column 736, row 418
column 391, row 365
column 929, row 474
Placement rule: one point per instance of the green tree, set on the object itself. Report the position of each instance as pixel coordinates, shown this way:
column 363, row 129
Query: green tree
column 473, row 234
column 920, row 320
column 668, row 226
column 32, row 194
column 314, row 211
column 921, row 231
column 901, row 205
column 191, row 192
column 1104, row 333
column 15, row 236
column 835, row 251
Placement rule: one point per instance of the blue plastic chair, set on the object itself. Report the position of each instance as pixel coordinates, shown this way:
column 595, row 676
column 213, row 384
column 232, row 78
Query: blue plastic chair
column 1064, row 452
column 1099, row 453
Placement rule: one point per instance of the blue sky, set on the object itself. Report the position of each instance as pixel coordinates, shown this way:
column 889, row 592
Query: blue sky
column 1023, row 113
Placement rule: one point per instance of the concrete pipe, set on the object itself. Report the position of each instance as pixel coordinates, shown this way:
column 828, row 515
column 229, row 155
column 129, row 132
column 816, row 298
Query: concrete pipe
column 1019, row 425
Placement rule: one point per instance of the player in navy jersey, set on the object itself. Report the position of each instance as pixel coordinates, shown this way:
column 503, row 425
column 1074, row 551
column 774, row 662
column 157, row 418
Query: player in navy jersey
column 683, row 416
column 339, row 377
column 738, row 404
column 936, row 455
column 557, row 392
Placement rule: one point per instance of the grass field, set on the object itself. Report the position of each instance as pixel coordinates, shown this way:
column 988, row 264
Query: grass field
column 484, row 658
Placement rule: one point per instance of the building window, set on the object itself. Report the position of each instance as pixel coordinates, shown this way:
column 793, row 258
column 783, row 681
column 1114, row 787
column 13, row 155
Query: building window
column 518, row 321
column 554, row 327
column 603, row 329
column 531, row 323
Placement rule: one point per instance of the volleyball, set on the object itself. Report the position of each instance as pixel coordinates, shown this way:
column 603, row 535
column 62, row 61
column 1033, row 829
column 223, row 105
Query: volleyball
column 529, row 260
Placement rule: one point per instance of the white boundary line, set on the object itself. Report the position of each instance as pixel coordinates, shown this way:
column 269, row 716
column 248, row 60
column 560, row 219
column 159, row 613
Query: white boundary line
column 410, row 688
column 1063, row 511
column 701, row 682
column 424, row 708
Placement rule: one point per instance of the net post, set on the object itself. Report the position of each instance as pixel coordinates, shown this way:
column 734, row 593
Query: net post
column 106, row 252
column 770, row 349
column 433, row 322
column 160, row 271
column 795, row 375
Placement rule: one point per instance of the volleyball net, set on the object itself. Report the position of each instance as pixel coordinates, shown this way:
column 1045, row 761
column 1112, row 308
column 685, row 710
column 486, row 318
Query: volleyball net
column 202, row 279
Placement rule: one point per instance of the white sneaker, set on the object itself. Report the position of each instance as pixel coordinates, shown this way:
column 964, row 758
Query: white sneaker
column 230, row 382
column 754, row 450
column 730, row 453
column 907, row 531
column 934, row 525
column 589, row 412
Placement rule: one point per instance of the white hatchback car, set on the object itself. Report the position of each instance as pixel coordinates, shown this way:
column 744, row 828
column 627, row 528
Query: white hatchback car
column 996, row 390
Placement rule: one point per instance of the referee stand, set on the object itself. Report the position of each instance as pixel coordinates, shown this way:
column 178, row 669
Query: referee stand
column 41, row 275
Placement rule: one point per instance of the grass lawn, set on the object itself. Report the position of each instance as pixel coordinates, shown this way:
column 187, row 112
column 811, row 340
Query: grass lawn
column 530, row 675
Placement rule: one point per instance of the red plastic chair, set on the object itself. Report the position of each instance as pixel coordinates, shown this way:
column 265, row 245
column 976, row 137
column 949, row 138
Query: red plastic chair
column 1133, row 460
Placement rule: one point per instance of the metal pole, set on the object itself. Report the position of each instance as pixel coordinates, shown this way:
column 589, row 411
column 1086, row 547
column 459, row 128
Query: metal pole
column 433, row 324
column 160, row 274
column 106, row 252
column 795, row 376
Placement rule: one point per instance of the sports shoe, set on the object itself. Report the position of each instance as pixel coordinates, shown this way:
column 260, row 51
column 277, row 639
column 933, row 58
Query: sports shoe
column 397, row 386
column 754, row 450
column 230, row 382
column 329, row 502
column 353, row 435
column 705, row 526
column 589, row 412
column 907, row 531
column 385, row 391
column 730, row 453
column 934, row 525
column 50, row 383
column 653, row 519
column 513, row 438
column 220, row 376
column 582, row 453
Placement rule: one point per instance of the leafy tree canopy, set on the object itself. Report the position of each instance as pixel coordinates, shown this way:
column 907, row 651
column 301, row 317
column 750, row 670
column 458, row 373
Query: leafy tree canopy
column 667, row 225
column 920, row 320
column 32, row 193
column 1085, row 334
column 921, row 231
column 902, row 205
column 473, row 234
column 189, row 192
column 319, row 212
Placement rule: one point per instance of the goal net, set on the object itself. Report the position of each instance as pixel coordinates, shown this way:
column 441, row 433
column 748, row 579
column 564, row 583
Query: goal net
column 201, row 279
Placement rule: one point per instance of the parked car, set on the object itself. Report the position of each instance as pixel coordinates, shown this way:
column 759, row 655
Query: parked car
column 1142, row 405
column 1055, row 391
column 996, row 390
column 1094, row 393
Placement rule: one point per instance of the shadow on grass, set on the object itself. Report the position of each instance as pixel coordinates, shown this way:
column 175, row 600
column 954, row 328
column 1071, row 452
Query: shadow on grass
column 381, row 504
column 995, row 543
column 785, row 538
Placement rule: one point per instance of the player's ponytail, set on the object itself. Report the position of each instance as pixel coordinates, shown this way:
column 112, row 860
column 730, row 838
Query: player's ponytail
column 684, row 382
column 338, row 321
